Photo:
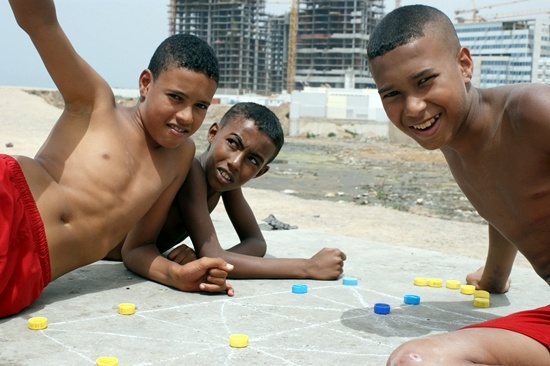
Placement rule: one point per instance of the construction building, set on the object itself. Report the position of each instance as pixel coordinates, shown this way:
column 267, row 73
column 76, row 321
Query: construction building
column 328, row 48
column 237, row 30
column 332, row 39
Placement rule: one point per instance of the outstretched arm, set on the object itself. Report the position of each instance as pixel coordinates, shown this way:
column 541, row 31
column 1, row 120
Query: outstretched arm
column 245, row 256
column 77, row 82
column 495, row 275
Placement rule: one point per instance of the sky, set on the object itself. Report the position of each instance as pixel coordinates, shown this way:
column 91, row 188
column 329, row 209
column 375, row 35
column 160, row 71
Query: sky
column 118, row 37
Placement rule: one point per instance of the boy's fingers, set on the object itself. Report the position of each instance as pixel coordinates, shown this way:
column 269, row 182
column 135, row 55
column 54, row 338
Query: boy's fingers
column 214, row 263
column 209, row 287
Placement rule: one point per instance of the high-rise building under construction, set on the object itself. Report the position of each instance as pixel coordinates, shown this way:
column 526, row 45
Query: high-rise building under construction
column 329, row 44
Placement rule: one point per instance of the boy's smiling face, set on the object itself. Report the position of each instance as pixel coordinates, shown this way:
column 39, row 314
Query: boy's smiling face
column 423, row 86
column 237, row 153
column 175, row 104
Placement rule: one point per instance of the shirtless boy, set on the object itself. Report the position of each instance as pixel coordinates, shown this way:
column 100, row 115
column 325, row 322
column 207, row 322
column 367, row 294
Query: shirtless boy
column 496, row 142
column 248, row 137
column 104, row 168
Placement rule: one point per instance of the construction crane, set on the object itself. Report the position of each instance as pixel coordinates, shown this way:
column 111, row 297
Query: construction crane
column 517, row 14
column 292, row 35
column 475, row 11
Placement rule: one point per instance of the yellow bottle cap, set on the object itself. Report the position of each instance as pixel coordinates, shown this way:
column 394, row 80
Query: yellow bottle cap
column 482, row 302
column 482, row 294
column 435, row 282
column 107, row 361
column 452, row 284
column 38, row 323
column 420, row 281
column 238, row 340
column 467, row 289
column 126, row 308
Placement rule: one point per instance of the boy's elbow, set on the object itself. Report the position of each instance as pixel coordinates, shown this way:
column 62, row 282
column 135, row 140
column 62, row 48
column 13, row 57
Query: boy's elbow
column 262, row 249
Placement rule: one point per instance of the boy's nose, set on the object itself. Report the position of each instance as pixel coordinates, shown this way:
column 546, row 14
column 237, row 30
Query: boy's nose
column 235, row 160
column 185, row 115
column 414, row 106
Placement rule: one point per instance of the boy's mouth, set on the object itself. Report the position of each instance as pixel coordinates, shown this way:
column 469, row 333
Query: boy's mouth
column 427, row 124
column 224, row 175
column 178, row 129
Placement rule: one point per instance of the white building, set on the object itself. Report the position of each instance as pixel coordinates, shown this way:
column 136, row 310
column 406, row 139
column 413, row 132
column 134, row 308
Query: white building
column 508, row 51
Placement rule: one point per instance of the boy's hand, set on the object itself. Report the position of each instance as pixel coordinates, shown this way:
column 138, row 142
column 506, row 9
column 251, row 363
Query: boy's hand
column 182, row 254
column 205, row 274
column 327, row 264
column 492, row 284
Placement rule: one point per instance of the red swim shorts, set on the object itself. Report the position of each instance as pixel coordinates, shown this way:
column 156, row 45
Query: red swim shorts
column 24, row 256
column 532, row 323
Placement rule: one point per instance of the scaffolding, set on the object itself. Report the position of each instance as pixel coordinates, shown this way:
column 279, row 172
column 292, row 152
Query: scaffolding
column 326, row 47
column 236, row 30
column 332, row 41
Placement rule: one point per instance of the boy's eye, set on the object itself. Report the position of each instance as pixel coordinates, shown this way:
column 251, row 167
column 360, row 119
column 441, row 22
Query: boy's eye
column 423, row 80
column 202, row 106
column 174, row 96
column 391, row 94
column 253, row 160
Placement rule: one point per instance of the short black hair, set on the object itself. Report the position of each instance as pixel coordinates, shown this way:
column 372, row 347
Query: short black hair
column 409, row 23
column 185, row 51
column 264, row 119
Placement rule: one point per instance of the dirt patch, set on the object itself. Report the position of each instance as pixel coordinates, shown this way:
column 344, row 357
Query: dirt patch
column 365, row 170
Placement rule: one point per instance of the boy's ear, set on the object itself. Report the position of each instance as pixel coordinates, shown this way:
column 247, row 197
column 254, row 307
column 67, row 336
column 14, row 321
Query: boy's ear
column 262, row 171
column 466, row 64
column 212, row 131
column 145, row 81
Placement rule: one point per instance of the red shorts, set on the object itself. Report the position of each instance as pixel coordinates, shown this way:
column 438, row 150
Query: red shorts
column 532, row 323
column 24, row 256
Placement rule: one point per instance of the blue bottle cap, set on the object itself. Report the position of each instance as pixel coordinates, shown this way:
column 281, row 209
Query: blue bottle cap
column 381, row 308
column 411, row 299
column 299, row 288
column 349, row 281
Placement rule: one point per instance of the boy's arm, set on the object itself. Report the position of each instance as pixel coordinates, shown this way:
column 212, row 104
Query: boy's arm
column 77, row 82
column 140, row 255
column 192, row 200
column 495, row 275
column 238, row 210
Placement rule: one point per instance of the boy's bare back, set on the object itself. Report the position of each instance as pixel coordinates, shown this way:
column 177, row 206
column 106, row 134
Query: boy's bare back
column 105, row 167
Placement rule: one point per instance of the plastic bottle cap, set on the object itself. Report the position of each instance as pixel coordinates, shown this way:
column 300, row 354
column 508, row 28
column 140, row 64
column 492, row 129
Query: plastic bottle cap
column 482, row 294
column 467, row 289
column 481, row 302
column 435, row 282
column 238, row 340
column 349, row 281
column 299, row 288
column 381, row 308
column 38, row 323
column 420, row 281
column 107, row 361
column 411, row 299
column 452, row 284
column 126, row 308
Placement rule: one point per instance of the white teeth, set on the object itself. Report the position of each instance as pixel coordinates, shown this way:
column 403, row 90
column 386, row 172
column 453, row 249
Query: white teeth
column 225, row 175
column 177, row 129
column 425, row 125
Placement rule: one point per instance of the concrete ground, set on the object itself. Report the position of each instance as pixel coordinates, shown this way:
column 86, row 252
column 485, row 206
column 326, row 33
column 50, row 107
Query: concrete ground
column 330, row 324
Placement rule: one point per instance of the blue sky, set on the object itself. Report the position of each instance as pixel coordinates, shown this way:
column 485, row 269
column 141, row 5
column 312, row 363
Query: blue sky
column 117, row 37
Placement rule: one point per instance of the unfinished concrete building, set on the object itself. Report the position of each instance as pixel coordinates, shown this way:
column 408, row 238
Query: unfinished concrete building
column 253, row 47
column 332, row 41
column 237, row 31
